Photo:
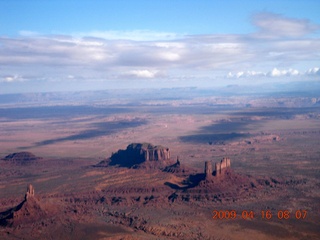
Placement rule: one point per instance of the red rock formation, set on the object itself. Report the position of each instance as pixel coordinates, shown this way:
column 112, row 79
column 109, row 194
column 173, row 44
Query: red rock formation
column 221, row 166
column 30, row 193
column 208, row 170
column 137, row 153
column 150, row 152
column 179, row 169
column 28, row 211
column 21, row 157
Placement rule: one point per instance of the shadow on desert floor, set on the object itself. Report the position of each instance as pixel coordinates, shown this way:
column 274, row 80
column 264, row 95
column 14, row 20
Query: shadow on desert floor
column 102, row 129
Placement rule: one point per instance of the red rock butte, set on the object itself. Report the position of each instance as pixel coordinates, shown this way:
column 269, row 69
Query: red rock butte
column 220, row 168
column 150, row 152
column 137, row 153
column 28, row 211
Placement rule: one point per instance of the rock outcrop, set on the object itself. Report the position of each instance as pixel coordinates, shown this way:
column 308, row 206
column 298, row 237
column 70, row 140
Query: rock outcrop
column 29, row 193
column 179, row 169
column 21, row 157
column 208, row 170
column 173, row 168
column 220, row 168
column 137, row 153
column 28, row 211
column 149, row 152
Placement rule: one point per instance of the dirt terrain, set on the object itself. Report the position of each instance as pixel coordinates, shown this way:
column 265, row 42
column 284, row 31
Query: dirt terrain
column 85, row 186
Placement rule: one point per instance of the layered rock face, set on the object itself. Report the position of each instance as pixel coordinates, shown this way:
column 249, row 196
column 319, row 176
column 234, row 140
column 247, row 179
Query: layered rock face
column 137, row 153
column 220, row 168
column 150, row 152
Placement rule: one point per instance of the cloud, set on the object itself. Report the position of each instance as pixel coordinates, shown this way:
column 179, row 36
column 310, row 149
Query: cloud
column 142, row 74
column 276, row 25
column 279, row 73
column 134, row 35
column 11, row 78
column 245, row 74
column 313, row 71
column 281, row 47
column 275, row 72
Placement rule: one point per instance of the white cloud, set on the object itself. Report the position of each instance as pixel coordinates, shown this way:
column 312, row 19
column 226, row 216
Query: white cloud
column 279, row 73
column 169, row 56
column 243, row 74
column 276, row 25
column 142, row 73
column 135, row 35
column 275, row 72
column 11, row 78
column 313, row 71
column 113, row 55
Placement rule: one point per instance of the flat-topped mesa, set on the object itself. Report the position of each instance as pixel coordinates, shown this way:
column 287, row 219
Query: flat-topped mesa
column 29, row 193
column 21, row 157
column 137, row 153
column 151, row 152
column 221, row 166
column 148, row 152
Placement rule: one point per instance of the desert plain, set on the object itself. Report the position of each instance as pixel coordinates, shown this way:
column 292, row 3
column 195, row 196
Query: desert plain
column 271, row 191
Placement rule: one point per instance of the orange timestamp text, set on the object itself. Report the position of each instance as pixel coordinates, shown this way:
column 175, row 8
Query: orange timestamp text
column 263, row 214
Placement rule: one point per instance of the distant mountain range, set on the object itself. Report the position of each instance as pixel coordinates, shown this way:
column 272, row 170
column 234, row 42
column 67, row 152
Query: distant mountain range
column 120, row 96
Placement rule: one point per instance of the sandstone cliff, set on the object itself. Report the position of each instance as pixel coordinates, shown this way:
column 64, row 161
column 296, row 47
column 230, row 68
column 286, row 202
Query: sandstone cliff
column 149, row 152
column 220, row 168
column 137, row 153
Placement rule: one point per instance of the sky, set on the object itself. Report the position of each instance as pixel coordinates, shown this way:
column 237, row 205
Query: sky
column 105, row 44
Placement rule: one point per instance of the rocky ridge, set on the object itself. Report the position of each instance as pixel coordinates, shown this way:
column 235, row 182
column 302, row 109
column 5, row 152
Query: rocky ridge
column 21, row 157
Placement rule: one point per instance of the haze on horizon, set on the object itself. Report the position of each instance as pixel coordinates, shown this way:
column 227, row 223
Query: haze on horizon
column 93, row 45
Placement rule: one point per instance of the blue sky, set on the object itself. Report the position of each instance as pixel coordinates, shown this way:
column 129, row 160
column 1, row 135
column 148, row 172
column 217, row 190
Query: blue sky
column 85, row 45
